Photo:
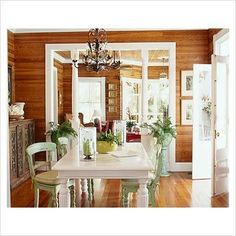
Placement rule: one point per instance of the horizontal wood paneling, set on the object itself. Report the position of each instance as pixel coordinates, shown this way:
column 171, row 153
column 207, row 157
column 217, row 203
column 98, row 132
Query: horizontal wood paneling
column 192, row 46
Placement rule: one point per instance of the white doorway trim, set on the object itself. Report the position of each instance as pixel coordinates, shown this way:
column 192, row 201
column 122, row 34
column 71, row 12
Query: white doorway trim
column 171, row 46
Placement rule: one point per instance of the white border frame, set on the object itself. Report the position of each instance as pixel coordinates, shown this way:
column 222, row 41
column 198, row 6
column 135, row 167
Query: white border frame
column 184, row 103
column 101, row 79
column 184, row 74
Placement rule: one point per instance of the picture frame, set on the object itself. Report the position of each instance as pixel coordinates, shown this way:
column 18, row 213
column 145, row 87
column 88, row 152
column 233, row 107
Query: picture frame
column 112, row 94
column 187, row 112
column 186, row 83
column 112, row 101
column 112, row 109
column 112, row 86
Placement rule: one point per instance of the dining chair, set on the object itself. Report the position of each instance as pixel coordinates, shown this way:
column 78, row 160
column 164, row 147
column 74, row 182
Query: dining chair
column 47, row 180
column 131, row 186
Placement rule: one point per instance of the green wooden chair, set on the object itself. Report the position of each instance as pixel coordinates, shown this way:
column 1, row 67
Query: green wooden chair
column 131, row 186
column 48, row 180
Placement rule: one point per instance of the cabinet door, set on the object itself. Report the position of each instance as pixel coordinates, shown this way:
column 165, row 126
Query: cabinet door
column 28, row 140
column 13, row 155
column 20, row 150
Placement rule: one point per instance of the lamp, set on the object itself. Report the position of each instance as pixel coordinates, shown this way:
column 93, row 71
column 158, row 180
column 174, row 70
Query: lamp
column 96, row 113
column 98, row 57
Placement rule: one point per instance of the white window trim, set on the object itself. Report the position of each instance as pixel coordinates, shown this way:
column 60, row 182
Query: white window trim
column 103, row 91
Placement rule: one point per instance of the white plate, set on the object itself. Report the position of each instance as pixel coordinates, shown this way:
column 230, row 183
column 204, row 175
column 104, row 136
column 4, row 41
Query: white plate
column 128, row 153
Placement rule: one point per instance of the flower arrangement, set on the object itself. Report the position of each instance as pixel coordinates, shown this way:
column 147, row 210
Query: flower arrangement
column 207, row 105
column 60, row 130
column 108, row 137
column 130, row 124
column 160, row 128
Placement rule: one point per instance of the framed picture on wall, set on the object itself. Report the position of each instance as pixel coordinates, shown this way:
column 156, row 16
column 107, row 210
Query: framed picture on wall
column 186, row 83
column 186, row 112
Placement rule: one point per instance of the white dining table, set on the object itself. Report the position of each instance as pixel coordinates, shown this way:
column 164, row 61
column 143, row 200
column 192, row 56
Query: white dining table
column 106, row 166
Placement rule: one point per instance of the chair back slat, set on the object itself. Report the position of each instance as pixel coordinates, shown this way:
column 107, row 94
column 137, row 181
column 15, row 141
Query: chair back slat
column 36, row 148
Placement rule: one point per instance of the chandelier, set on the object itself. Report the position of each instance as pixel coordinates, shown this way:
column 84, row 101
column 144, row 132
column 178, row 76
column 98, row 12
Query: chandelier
column 98, row 57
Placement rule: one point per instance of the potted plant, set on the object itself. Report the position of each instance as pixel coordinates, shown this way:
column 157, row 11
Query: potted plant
column 130, row 124
column 163, row 131
column 107, row 142
column 60, row 130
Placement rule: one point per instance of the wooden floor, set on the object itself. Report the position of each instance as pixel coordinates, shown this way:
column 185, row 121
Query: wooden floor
column 177, row 190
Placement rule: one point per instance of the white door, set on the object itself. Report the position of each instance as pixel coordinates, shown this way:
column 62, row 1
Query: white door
column 202, row 153
column 220, row 124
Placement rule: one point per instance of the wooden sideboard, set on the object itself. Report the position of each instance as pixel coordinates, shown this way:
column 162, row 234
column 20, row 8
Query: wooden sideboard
column 21, row 135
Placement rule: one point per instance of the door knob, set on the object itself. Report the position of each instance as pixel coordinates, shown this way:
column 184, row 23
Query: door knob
column 217, row 134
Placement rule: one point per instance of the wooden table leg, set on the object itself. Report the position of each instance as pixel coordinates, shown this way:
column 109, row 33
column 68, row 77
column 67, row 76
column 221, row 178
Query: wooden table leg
column 64, row 195
column 142, row 194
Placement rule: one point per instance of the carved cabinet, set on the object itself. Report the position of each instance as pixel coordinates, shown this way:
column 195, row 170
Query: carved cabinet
column 21, row 135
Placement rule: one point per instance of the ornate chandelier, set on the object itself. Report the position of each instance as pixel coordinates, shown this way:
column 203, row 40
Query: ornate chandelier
column 98, row 57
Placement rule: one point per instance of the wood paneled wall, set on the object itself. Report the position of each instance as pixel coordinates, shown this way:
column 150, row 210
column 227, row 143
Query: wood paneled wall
column 59, row 67
column 112, row 76
column 192, row 46
column 11, row 60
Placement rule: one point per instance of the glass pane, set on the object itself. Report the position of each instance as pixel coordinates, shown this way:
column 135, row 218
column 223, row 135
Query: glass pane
column 224, row 48
column 157, row 55
column 158, row 98
column 95, row 91
column 221, row 112
column 83, row 92
column 205, row 105
column 90, row 99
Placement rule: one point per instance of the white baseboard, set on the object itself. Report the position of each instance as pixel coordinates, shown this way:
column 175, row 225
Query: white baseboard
column 181, row 166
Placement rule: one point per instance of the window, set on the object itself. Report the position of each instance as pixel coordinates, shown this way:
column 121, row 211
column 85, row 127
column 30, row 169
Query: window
column 132, row 99
column 91, row 97
column 158, row 98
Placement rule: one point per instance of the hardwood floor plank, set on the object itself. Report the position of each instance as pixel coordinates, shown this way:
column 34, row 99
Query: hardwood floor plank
column 177, row 190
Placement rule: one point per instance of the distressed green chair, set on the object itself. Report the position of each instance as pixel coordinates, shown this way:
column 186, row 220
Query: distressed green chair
column 131, row 186
column 48, row 180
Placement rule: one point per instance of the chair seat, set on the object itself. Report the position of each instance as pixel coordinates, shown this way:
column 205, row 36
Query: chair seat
column 49, row 177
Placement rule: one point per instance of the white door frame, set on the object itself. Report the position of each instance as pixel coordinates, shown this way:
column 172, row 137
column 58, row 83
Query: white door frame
column 217, row 56
column 171, row 46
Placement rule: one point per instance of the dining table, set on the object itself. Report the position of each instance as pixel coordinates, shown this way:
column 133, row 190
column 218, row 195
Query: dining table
column 129, row 161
